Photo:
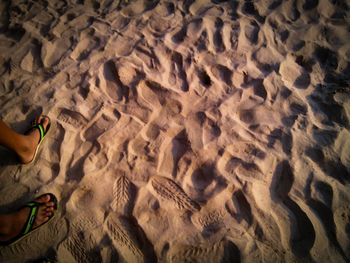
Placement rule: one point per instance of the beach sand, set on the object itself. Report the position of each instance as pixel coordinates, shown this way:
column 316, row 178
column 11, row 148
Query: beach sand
column 182, row 131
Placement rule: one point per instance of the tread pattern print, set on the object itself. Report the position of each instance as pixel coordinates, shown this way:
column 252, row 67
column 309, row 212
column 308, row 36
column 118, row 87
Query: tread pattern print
column 223, row 252
column 73, row 118
column 85, row 222
column 209, row 220
column 169, row 190
column 122, row 240
column 123, row 193
column 76, row 245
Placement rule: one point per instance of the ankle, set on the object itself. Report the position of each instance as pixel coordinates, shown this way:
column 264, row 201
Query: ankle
column 24, row 147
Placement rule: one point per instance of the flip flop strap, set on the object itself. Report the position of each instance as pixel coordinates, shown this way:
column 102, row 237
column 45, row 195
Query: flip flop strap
column 31, row 218
column 41, row 130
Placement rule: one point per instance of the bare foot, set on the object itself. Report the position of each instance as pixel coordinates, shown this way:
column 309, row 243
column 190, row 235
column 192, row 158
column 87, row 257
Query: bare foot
column 27, row 152
column 12, row 224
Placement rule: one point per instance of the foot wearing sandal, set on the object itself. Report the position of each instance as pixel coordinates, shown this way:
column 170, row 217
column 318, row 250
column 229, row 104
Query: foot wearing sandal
column 13, row 225
column 32, row 139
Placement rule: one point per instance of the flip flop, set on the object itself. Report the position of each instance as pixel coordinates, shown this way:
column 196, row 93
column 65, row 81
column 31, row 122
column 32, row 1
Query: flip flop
column 42, row 133
column 28, row 227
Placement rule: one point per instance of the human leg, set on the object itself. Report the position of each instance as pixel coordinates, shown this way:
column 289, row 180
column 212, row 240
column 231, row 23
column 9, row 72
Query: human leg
column 11, row 224
column 22, row 144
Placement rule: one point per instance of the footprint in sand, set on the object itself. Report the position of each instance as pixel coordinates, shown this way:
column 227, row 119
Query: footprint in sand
column 82, row 198
column 205, row 180
column 171, row 152
column 31, row 62
column 151, row 132
column 53, row 52
column 164, row 9
column 194, row 29
column 123, row 195
column 160, row 26
column 138, row 146
column 147, row 56
column 251, row 32
column 243, row 208
column 210, row 221
column 81, row 242
column 147, row 91
column 73, row 118
column 86, row 221
column 249, row 9
column 168, row 190
column 217, row 37
column 138, row 7
column 303, row 234
column 194, row 130
column 129, row 75
column 118, row 22
column 222, row 73
column 178, row 76
column 84, row 48
column 123, row 238
column 180, row 35
column 204, row 78
column 163, row 20
column 103, row 124
column 249, row 171
column 223, row 251
column 202, row 42
column 205, row 8
column 79, row 249
column 111, row 84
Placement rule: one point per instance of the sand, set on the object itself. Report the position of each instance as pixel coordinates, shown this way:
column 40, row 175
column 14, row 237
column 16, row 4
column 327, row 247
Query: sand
column 182, row 131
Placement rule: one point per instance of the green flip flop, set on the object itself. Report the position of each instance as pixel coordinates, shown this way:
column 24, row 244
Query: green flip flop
column 28, row 227
column 42, row 133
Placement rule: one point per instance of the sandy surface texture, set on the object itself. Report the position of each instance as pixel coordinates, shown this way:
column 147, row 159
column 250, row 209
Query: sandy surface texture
column 182, row 131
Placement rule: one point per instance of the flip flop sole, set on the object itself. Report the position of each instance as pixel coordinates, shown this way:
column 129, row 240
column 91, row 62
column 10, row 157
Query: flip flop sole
column 21, row 236
column 41, row 139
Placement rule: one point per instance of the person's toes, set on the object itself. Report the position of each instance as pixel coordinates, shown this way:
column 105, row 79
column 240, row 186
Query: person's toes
column 43, row 199
column 50, row 203
column 44, row 121
column 48, row 214
column 45, row 212
column 48, row 211
column 50, row 206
